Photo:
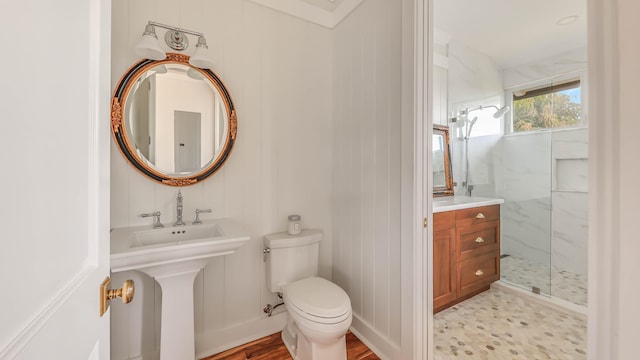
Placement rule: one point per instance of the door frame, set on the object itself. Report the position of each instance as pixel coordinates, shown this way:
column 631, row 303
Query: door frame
column 604, row 287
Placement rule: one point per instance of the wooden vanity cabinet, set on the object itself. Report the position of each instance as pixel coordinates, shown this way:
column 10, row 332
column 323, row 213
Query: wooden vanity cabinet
column 466, row 253
column 444, row 259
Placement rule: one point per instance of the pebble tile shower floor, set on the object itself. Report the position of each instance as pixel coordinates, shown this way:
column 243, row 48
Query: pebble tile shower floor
column 560, row 283
column 500, row 325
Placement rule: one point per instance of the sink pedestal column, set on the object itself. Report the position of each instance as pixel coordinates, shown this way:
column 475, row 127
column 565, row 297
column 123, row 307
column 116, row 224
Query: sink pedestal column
column 177, row 334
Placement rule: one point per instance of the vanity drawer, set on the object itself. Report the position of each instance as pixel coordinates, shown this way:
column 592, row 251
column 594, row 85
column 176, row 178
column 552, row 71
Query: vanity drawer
column 477, row 215
column 444, row 220
column 477, row 273
column 478, row 239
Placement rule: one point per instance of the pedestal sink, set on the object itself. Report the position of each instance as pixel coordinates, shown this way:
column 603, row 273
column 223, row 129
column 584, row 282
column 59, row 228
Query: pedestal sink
column 173, row 256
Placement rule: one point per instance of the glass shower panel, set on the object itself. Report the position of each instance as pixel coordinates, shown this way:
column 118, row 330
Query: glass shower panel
column 569, row 216
column 526, row 212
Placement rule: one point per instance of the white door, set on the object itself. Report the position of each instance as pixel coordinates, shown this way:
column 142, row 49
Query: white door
column 54, row 178
column 186, row 133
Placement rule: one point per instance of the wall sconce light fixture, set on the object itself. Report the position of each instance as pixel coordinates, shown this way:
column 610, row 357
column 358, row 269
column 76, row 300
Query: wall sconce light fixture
column 176, row 38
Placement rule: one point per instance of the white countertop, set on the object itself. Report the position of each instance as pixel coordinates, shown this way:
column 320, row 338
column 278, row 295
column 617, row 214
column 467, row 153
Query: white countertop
column 448, row 203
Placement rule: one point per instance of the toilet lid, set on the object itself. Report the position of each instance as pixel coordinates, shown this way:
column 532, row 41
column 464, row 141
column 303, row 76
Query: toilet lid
column 318, row 297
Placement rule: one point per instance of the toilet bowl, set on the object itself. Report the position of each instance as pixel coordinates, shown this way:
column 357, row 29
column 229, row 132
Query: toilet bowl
column 319, row 311
column 321, row 315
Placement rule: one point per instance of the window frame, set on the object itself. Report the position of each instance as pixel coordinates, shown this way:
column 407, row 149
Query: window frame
column 543, row 84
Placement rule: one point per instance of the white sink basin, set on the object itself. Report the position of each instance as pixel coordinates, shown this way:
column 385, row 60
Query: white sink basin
column 175, row 235
column 140, row 247
column 173, row 256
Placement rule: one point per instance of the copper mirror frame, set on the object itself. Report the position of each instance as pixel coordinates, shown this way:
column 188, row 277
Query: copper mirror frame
column 442, row 175
column 119, row 123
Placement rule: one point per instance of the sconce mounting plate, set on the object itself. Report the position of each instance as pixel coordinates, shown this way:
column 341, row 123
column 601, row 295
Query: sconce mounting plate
column 177, row 40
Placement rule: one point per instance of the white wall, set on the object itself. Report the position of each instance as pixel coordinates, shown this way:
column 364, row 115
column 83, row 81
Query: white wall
column 569, row 62
column 474, row 80
column 279, row 72
column 366, row 166
column 440, row 96
column 627, row 192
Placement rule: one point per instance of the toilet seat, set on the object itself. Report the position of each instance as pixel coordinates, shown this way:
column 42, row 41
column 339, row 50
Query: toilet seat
column 318, row 300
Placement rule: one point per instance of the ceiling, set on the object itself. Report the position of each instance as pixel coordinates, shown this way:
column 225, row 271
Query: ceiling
column 512, row 32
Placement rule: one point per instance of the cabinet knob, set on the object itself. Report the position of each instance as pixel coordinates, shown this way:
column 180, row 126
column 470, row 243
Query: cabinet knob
column 479, row 240
column 479, row 272
column 480, row 216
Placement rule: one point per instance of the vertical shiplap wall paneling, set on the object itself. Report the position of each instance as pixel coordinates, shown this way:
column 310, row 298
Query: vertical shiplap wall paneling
column 278, row 70
column 367, row 65
column 211, row 282
column 393, row 15
column 367, row 85
column 382, row 161
column 342, row 218
column 241, row 171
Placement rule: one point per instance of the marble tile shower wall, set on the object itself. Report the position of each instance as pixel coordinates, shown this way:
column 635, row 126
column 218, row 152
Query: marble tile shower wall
column 544, row 184
column 569, row 214
column 526, row 175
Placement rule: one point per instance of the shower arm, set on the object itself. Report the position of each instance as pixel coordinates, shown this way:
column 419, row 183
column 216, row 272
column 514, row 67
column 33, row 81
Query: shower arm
column 481, row 107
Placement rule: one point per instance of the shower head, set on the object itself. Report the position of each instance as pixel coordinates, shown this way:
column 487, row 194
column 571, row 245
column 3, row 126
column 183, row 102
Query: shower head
column 471, row 123
column 503, row 110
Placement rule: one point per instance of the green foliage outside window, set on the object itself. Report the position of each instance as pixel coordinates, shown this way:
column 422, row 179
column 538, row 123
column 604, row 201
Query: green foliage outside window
column 546, row 111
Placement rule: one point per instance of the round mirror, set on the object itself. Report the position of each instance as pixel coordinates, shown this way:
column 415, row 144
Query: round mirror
column 173, row 122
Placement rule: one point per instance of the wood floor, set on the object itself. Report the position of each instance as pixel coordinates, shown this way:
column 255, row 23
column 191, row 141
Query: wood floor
column 271, row 348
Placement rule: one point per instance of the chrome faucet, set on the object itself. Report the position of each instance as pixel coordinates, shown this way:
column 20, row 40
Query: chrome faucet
column 179, row 221
column 156, row 223
column 198, row 212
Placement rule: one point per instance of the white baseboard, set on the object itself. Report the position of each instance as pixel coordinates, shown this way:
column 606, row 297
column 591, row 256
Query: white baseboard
column 375, row 341
column 214, row 342
column 219, row 340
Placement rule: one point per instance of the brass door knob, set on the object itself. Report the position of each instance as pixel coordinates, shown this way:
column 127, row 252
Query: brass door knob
column 479, row 272
column 480, row 216
column 479, row 240
column 126, row 292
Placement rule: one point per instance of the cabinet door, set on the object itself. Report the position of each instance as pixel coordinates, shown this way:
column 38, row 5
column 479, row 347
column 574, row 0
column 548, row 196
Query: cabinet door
column 444, row 268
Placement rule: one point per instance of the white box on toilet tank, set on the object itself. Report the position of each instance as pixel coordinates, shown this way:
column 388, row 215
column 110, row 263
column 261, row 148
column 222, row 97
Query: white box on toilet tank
column 292, row 257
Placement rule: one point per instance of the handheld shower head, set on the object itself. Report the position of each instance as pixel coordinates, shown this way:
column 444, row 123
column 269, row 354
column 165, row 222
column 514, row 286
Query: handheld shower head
column 503, row 110
column 471, row 123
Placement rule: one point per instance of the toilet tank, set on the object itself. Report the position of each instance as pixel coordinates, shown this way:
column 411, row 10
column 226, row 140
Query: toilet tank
column 292, row 257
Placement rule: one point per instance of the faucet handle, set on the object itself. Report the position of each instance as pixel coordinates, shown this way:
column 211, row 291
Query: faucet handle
column 156, row 224
column 198, row 211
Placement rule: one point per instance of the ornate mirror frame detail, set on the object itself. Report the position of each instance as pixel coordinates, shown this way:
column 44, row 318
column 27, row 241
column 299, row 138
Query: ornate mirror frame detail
column 119, row 123
column 447, row 188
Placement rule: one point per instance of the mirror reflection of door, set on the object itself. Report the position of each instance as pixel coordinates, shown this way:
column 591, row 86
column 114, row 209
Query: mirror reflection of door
column 187, row 133
column 439, row 166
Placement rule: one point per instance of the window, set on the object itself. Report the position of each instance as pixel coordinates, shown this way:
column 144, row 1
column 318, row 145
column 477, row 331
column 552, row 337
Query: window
column 551, row 107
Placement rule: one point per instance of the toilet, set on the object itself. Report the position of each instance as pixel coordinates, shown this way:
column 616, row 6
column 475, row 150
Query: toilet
column 319, row 311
